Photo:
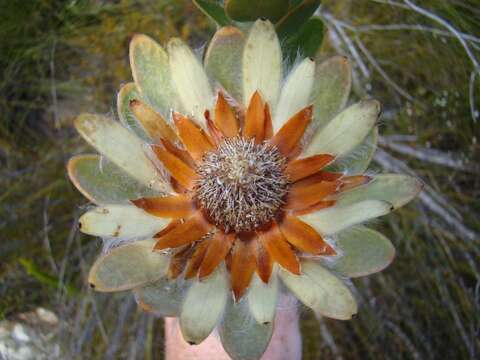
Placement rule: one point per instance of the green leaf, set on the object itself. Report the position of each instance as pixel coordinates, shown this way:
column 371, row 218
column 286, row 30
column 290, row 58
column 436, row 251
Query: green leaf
column 306, row 41
column 127, row 93
column 214, row 11
column 151, row 72
column 190, row 79
column 127, row 267
column 357, row 161
column 262, row 299
column 363, row 251
column 121, row 221
column 331, row 88
column 262, row 63
column 293, row 3
column 163, row 297
column 203, row 306
column 223, row 60
column 242, row 337
column 348, row 129
column 102, row 182
column 321, row 291
column 339, row 217
column 295, row 93
column 296, row 18
column 247, row 10
column 121, row 147
column 395, row 189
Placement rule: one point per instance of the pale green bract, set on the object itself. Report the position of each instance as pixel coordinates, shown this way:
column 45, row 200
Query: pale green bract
column 238, row 63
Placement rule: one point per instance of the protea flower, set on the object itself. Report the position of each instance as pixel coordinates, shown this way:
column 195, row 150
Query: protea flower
column 226, row 180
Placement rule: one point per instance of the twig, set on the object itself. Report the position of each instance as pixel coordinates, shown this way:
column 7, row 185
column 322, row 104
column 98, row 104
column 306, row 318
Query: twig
column 137, row 351
column 349, row 43
column 390, row 163
column 46, row 240
column 53, row 86
column 392, row 3
column 116, row 338
column 447, row 25
column 398, row 137
column 83, row 269
column 453, row 310
column 328, row 338
column 414, row 27
column 401, row 335
column 382, row 72
column 430, row 155
column 471, row 95
column 457, row 34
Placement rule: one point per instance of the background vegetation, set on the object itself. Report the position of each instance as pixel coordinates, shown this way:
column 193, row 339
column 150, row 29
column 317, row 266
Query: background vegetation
column 420, row 58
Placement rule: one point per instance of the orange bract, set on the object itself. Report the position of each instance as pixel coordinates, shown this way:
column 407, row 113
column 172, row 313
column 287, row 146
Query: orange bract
column 255, row 119
column 153, row 123
column 225, row 119
column 180, row 170
column 299, row 169
column 264, row 262
column 178, row 262
column 304, row 237
column 218, row 249
column 199, row 244
column 303, row 195
column 280, row 251
column 177, row 206
column 243, row 267
column 193, row 137
column 289, row 136
column 184, row 233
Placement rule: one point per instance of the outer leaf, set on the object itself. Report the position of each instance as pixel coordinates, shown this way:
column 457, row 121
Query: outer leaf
column 203, row 306
column 258, row 74
column 151, row 72
column 121, row 147
column 247, row 10
column 262, row 299
column 102, row 182
column 121, row 221
column 336, row 218
column 242, row 337
column 296, row 17
column 392, row 188
column 163, row 297
column 213, row 10
column 321, row 291
column 346, row 130
column 127, row 267
column 294, row 3
column 331, row 88
column 223, row 60
column 357, row 160
column 295, row 93
column 363, row 251
column 190, row 80
column 307, row 41
column 127, row 93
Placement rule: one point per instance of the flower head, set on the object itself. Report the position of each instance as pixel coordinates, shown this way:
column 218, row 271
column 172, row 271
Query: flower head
column 221, row 179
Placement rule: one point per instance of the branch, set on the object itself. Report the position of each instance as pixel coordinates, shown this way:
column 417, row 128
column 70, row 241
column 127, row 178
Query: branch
column 427, row 197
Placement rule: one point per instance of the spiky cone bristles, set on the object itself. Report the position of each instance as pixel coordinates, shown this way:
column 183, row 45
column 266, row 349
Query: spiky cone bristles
column 240, row 189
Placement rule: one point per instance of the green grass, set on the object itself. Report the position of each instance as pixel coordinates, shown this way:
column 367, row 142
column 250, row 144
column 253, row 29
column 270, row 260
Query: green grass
column 60, row 58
